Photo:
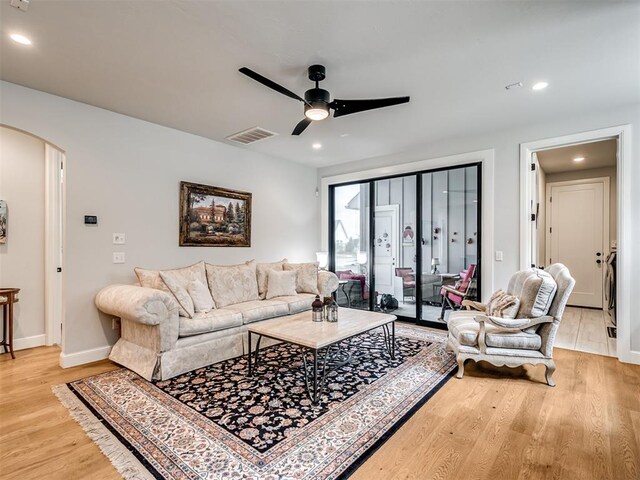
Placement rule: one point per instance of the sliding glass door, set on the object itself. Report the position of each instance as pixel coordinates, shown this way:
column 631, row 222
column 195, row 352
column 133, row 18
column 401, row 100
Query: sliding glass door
column 350, row 245
column 408, row 244
column 450, row 239
column 394, row 243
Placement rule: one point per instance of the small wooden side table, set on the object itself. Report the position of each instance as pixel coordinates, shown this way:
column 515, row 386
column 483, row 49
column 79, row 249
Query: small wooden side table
column 8, row 296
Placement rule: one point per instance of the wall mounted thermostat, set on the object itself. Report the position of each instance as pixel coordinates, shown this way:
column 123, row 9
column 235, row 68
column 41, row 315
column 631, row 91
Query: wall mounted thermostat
column 90, row 219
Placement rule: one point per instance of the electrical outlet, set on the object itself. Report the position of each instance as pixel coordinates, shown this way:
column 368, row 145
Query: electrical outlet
column 118, row 257
column 119, row 239
column 499, row 256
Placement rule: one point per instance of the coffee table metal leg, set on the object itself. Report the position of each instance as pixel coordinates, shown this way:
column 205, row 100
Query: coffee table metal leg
column 249, row 358
column 393, row 340
column 315, row 376
column 257, row 352
column 390, row 339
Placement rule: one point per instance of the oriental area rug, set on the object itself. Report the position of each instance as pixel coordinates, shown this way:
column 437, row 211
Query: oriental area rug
column 217, row 423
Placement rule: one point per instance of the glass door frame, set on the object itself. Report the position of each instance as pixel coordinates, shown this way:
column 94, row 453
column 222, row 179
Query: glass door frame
column 371, row 182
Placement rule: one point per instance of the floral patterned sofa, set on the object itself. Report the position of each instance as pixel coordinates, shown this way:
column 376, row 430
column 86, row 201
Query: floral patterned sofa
column 178, row 320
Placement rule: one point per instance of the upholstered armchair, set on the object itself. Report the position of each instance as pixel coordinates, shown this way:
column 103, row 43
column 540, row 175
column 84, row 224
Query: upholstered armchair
column 526, row 339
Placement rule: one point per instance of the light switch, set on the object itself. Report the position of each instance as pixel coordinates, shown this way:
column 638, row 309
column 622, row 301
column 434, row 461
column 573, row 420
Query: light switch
column 118, row 257
column 499, row 256
column 118, row 239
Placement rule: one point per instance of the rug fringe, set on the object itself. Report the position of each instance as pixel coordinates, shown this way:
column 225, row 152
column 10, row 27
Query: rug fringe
column 120, row 457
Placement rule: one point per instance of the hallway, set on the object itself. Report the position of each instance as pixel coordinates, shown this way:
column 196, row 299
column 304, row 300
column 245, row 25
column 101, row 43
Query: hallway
column 585, row 330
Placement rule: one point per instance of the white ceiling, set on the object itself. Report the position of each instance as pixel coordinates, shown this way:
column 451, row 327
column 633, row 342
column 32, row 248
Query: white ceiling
column 595, row 154
column 175, row 63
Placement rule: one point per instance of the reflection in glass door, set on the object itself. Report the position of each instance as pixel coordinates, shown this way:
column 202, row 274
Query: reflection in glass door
column 450, row 240
column 350, row 244
column 394, row 243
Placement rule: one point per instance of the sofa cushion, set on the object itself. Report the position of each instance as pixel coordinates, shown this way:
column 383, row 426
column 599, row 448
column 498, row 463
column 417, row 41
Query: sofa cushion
column 306, row 276
column 201, row 296
column 262, row 271
column 152, row 279
column 281, row 284
column 535, row 289
column 232, row 284
column 257, row 310
column 212, row 321
column 464, row 327
column 299, row 302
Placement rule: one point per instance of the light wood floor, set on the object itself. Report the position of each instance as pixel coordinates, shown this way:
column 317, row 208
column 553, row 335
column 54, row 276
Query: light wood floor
column 585, row 330
column 492, row 424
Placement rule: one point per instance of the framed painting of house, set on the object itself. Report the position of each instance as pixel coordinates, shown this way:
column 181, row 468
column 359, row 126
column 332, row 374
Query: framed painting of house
column 214, row 216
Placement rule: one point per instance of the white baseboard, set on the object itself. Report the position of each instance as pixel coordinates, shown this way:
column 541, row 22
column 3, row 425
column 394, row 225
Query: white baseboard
column 632, row 356
column 29, row 342
column 86, row 356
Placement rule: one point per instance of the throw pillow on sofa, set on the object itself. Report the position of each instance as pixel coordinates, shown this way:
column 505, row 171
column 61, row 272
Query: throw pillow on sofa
column 262, row 272
column 199, row 293
column 175, row 284
column 231, row 284
column 306, row 276
column 280, row 284
column 152, row 279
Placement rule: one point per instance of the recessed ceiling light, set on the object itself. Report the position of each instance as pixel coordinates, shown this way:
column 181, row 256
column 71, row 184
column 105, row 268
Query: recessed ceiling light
column 21, row 39
column 578, row 159
column 540, row 86
column 316, row 146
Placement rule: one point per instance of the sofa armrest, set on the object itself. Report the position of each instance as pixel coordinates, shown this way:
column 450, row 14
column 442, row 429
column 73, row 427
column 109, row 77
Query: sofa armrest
column 137, row 304
column 327, row 283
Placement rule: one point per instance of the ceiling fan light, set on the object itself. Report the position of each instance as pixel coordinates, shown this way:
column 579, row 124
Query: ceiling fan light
column 315, row 113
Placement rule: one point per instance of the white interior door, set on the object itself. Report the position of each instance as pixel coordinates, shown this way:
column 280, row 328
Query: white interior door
column 576, row 236
column 386, row 247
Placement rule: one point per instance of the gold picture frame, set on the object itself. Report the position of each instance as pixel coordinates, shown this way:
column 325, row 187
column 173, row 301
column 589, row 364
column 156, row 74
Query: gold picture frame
column 214, row 216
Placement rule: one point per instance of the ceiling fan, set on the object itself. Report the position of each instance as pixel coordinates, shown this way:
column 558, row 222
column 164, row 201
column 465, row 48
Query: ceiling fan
column 317, row 101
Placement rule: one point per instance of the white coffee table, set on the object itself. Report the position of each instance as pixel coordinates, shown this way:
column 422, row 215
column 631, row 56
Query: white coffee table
column 320, row 339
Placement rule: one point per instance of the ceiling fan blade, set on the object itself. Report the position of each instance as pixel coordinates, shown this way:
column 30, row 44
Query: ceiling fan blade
column 300, row 127
column 347, row 107
column 271, row 84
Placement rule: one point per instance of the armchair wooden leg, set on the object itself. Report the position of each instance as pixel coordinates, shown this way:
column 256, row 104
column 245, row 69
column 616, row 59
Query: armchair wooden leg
column 460, row 368
column 551, row 368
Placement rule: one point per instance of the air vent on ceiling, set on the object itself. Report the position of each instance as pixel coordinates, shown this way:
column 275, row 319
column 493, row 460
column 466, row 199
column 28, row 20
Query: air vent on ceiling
column 251, row 135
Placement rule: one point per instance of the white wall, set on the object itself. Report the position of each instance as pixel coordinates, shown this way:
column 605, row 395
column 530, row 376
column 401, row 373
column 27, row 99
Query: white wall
column 127, row 172
column 507, row 180
column 22, row 186
column 595, row 173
